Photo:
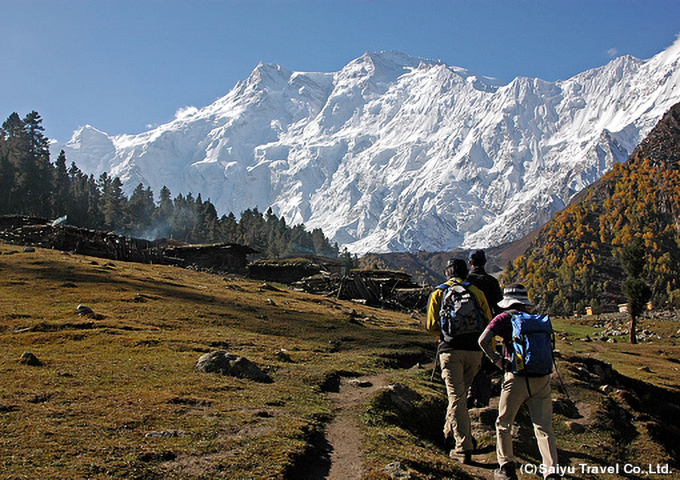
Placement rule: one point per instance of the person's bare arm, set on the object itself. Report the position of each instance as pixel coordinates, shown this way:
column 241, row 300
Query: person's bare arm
column 486, row 344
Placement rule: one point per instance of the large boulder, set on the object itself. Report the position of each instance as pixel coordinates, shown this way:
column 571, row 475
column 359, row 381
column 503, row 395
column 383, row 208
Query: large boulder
column 233, row 365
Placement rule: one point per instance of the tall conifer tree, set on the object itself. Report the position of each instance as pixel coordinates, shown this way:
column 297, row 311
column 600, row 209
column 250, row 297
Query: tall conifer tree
column 61, row 183
column 35, row 172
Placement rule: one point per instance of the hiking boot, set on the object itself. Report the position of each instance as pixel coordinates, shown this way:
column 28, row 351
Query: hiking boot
column 463, row 457
column 506, row 472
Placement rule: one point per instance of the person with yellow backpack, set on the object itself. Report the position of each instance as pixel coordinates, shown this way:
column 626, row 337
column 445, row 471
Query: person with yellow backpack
column 458, row 312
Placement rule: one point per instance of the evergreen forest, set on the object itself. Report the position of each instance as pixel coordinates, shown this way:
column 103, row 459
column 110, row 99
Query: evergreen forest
column 31, row 184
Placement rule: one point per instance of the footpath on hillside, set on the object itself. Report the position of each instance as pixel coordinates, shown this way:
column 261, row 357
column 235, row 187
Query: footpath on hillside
column 344, row 432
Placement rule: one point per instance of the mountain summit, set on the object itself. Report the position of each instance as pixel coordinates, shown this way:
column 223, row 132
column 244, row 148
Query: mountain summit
column 397, row 153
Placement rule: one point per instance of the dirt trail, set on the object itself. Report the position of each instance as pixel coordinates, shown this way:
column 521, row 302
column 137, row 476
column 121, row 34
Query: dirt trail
column 344, row 433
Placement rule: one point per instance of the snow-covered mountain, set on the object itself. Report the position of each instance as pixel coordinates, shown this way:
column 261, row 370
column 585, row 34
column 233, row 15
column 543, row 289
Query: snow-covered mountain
column 396, row 153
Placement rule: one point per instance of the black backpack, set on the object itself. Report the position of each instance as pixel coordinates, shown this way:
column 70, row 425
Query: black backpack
column 460, row 313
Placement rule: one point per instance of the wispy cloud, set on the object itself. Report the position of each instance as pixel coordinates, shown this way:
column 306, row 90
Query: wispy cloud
column 612, row 52
column 184, row 112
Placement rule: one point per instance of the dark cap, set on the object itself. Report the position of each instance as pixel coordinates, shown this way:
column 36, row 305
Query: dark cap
column 478, row 258
column 457, row 267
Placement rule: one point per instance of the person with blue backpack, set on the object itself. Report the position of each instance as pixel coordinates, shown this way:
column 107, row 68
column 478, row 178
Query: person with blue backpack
column 458, row 313
column 527, row 360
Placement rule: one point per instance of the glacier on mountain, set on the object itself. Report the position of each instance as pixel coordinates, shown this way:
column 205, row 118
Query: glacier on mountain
column 397, row 153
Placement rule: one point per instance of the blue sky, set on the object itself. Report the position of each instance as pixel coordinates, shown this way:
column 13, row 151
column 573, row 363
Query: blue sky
column 126, row 66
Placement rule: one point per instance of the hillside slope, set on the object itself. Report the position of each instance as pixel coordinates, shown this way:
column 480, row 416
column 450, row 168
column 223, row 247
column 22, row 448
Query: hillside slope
column 572, row 263
column 115, row 393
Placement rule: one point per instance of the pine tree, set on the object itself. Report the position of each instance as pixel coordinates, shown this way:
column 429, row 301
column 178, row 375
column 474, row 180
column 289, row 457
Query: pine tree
column 77, row 210
column 83, row 210
column 229, row 228
column 14, row 150
column 35, row 170
column 321, row 244
column 140, row 209
column 113, row 202
column 300, row 240
column 275, row 236
column 162, row 215
column 209, row 223
column 184, row 218
column 61, row 185
column 7, row 186
column 251, row 230
column 95, row 215
column 638, row 293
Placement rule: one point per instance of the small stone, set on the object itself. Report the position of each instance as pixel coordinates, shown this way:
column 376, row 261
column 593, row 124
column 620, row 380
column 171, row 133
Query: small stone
column 232, row 365
column 396, row 471
column 27, row 358
column 359, row 383
column 283, row 355
column 576, row 427
column 84, row 310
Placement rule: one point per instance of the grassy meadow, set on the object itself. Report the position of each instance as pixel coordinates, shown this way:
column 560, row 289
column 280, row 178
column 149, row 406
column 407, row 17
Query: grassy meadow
column 110, row 380
column 117, row 394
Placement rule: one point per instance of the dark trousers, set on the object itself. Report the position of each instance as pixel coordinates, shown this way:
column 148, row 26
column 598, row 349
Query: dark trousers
column 480, row 389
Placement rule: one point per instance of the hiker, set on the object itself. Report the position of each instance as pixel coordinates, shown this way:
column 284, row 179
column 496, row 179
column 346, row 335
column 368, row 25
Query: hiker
column 458, row 325
column 480, row 390
column 485, row 282
column 518, row 389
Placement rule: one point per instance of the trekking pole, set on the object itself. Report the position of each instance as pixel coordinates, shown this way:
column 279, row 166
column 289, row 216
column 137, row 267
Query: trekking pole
column 434, row 367
column 559, row 377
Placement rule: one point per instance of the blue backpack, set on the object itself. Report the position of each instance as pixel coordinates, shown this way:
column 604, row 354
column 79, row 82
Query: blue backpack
column 534, row 341
column 459, row 314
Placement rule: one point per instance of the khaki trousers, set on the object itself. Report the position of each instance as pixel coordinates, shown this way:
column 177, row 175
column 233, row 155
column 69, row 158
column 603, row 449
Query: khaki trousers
column 513, row 394
column 458, row 370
